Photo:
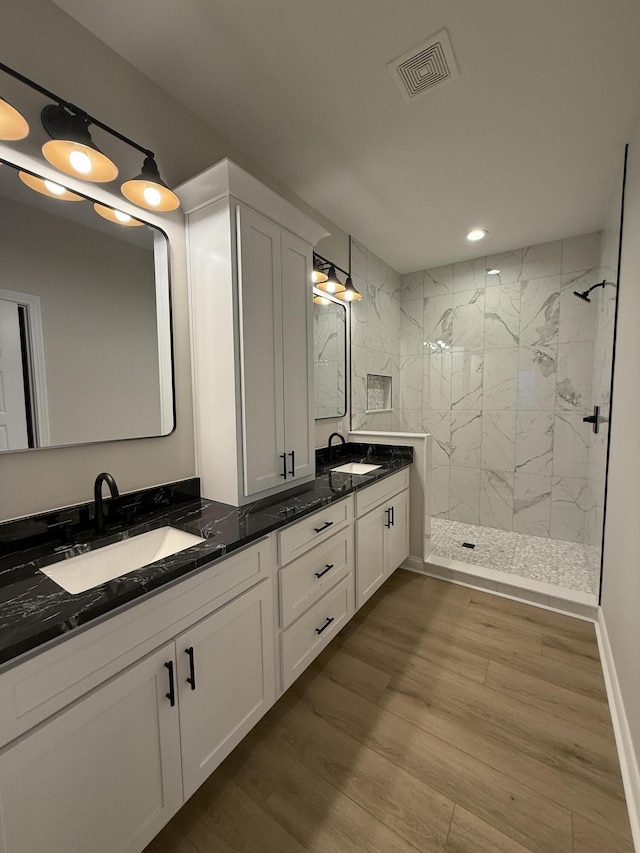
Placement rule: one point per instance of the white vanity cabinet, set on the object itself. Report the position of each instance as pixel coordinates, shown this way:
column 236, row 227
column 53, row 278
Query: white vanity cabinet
column 107, row 771
column 250, row 261
column 382, row 532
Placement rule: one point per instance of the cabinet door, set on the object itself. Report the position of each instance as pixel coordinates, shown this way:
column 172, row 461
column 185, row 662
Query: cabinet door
column 297, row 339
column 234, row 675
column 261, row 372
column 104, row 775
column 398, row 533
column 370, row 553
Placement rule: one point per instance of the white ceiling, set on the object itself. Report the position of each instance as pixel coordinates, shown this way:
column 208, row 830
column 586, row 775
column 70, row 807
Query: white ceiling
column 527, row 142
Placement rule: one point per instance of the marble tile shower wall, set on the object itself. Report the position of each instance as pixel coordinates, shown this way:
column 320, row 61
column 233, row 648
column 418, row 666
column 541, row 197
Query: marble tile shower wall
column 499, row 368
column 375, row 336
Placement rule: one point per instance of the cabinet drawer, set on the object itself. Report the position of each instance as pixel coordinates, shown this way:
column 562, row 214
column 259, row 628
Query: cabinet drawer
column 307, row 637
column 367, row 498
column 307, row 579
column 299, row 537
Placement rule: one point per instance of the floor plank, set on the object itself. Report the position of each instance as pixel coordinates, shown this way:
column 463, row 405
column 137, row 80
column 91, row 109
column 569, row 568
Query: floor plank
column 469, row 834
column 589, row 837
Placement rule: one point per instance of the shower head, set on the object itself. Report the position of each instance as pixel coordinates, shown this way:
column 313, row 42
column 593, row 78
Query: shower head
column 584, row 295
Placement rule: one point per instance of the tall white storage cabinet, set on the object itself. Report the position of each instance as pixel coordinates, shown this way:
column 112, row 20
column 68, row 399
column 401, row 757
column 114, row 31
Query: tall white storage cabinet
column 250, row 260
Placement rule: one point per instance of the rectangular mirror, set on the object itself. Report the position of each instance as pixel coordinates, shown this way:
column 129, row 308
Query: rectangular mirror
column 330, row 359
column 85, row 320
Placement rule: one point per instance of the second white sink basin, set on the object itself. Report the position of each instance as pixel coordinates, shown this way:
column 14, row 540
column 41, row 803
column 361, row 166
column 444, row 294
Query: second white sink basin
column 85, row 571
column 355, row 468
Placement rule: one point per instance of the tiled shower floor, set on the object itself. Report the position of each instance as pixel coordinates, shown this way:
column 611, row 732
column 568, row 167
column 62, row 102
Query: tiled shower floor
column 564, row 564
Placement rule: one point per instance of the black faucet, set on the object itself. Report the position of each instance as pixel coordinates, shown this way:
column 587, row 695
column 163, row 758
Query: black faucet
column 331, row 437
column 99, row 503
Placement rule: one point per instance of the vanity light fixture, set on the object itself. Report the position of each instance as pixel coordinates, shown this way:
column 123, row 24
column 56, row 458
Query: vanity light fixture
column 349, row 294
column 117, row 216
column 325, row 272
column 149, row 190
column 318, row 276
column 477, row 234
column 48, row 188
column 72, row 150
column 13, row 125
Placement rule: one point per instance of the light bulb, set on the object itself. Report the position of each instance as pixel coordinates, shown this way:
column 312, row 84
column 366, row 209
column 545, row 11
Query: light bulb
column 80, row 161
column 331, row 287
column 54, row 188
column 347, row 295
column 122, row 217
column 152, row 196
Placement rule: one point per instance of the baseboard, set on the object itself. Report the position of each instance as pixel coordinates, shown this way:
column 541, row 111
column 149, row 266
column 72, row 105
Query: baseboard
column 628, row 760
column 413, row 564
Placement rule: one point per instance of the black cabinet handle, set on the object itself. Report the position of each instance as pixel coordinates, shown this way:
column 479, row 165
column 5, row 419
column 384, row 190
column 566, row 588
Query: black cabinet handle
column 292, row 454
column 328, row 567
column 324, row 527
column 283, row 456
column 171, row 695
column 192, row 668
column 393, row 516
column 325, row 626
column 388, row 522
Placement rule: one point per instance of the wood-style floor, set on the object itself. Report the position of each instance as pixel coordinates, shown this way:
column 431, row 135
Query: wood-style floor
column 441, row 719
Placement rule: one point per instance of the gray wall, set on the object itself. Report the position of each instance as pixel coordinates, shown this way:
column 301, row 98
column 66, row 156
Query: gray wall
column 621, row 571
column 41, row 41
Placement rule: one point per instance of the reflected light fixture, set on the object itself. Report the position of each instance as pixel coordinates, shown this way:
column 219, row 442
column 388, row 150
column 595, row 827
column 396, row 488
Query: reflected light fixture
column 477, row 234
column 71, row 148
column 48, row 188
column 349, row 294
column 117, row 216
column 13, row 125
column 493, row 272
column 149, row 190
column 318, row 299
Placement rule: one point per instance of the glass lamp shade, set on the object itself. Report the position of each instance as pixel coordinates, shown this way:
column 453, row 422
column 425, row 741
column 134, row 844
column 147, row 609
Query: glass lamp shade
column 318, row 277
column 71, row 148
column 332, row 284
column 117, row 216
column 321, row 300
column 148, row 190
column 48, row 188
column 13, row 125
column 349, row 294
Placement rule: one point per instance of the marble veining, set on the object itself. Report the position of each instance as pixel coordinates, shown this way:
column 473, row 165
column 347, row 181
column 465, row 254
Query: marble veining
column 34, row 610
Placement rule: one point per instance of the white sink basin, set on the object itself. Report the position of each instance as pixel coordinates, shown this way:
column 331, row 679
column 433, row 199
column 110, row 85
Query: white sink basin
column 85, row 571
column 355, row 468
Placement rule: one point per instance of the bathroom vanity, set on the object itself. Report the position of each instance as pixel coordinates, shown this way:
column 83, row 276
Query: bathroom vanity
column 117, row 703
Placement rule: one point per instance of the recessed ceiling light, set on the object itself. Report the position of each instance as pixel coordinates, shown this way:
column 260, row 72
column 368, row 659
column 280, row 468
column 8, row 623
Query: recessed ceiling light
column 493, row 272
column 476, row 234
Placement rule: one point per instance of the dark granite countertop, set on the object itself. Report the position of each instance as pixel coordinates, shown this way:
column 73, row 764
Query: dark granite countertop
column 35, row 612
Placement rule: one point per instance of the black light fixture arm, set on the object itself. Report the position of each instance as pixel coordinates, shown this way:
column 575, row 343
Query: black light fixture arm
column 74, row 109
column 320, row 263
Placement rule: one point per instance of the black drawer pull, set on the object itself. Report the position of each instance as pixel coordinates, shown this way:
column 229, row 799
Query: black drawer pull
column 171, row 695
column 192, row 668
column 324, row 527
column 388, row 522
column 292, row 454
column 325, row 626
column 328, row 567
column 283, row 456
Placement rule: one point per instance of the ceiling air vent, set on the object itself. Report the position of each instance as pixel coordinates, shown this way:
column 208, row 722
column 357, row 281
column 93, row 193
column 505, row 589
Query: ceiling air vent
column 426, row 66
